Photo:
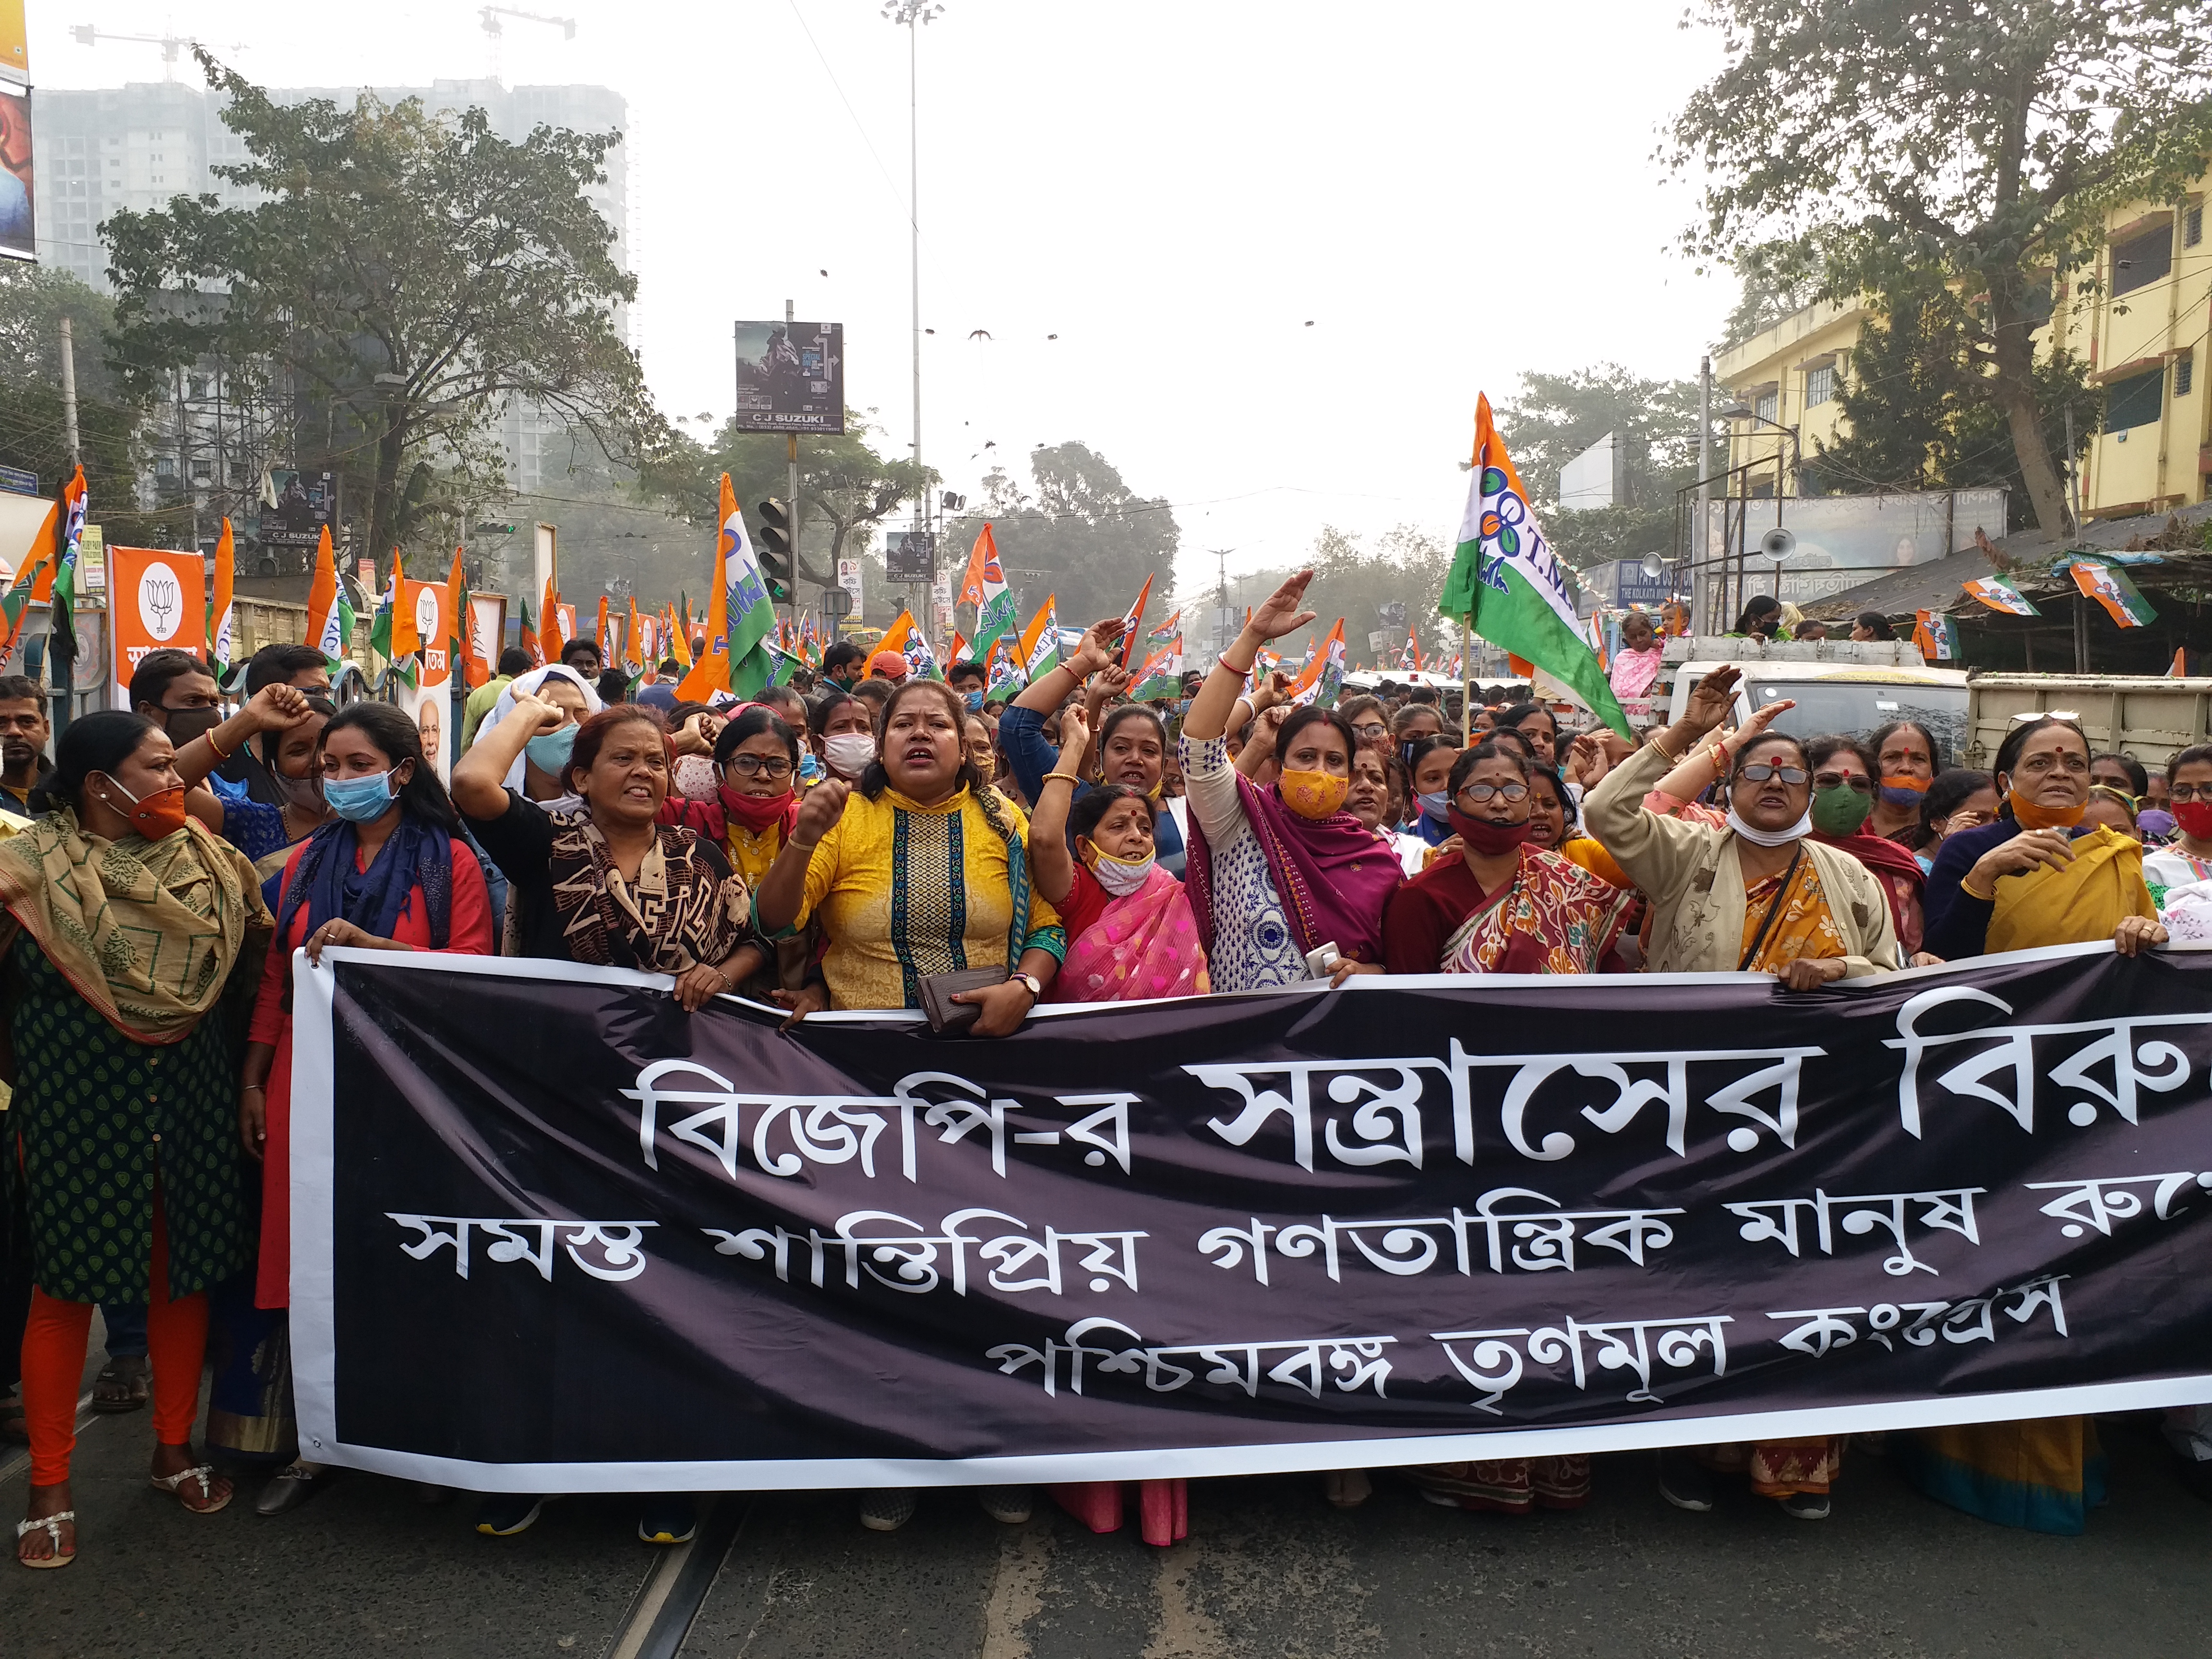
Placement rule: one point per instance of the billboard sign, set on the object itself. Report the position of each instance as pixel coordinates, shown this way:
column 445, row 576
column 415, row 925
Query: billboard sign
column 1595, row 478
column 14, row 44
column 304, row 503
column 791, row 377
column 158, row 602
column 18, row 237
column 849, row 579
column 909, row 556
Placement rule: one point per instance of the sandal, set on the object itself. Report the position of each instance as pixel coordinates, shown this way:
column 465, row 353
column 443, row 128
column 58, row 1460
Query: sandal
column 51, row 1526
column 207, row 1503
column 122, row 1385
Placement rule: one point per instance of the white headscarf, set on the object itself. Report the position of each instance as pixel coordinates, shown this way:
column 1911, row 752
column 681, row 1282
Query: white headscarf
column 526, row 685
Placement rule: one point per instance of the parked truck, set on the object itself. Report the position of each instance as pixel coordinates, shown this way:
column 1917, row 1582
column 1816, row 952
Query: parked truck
column 2149, row 718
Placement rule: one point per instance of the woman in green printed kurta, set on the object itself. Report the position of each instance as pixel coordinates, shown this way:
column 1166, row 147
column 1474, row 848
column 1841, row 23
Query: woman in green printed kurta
column 124, row 922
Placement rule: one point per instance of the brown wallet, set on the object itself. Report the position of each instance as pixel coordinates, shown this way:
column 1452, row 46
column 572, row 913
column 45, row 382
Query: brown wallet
column 950, row 1019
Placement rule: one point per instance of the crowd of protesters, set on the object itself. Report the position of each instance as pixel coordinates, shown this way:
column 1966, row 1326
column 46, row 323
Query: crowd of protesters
column 159, row 869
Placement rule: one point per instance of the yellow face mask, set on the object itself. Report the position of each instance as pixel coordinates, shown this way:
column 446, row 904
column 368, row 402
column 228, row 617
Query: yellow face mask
column 1314, row 794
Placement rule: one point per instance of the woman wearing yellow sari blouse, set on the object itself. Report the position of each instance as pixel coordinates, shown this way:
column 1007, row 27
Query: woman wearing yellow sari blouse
column 2033, row 879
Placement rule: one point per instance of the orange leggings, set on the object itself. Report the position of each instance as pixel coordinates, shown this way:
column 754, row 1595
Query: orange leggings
column 54, row 1345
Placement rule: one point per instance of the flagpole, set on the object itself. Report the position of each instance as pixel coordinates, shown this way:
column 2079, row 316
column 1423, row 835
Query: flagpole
column 1466, row 682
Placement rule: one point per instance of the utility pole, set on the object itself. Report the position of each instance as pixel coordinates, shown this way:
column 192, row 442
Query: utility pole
column 1221, row 615
column 69, row 394
column 791, row 492
column 1704, row 490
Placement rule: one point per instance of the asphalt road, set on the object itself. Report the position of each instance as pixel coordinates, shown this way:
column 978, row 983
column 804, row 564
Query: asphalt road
column 368, row 1568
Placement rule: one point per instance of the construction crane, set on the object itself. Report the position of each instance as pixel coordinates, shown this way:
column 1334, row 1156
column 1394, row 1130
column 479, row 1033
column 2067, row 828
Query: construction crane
column 488, row 18
column 171, row 45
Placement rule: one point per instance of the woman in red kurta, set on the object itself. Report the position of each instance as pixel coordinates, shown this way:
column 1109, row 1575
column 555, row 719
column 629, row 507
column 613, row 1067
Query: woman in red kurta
column 388, row 873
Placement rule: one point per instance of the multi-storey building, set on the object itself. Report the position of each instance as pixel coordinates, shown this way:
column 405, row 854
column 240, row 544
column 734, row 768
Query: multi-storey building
column 2143, row 324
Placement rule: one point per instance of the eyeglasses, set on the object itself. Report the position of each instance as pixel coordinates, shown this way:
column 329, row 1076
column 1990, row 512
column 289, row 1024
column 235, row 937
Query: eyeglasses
column 2189, row 791
column 1369, row 732
column 1767, row 771
column 760, row 766
column 1481, row 792
column 1853, row 780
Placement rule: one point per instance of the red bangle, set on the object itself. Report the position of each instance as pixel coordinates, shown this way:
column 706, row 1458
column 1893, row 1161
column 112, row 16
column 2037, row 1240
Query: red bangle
column 1241, row 673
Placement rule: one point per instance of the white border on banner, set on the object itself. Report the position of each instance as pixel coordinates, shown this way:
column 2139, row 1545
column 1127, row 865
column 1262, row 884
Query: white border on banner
column 315, row 1356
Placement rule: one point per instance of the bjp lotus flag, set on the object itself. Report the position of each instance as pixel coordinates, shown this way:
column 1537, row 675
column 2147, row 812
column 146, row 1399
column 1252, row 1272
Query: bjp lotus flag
column 222, row 610
column 330, row 619
column 529, row 641
column 461, row 627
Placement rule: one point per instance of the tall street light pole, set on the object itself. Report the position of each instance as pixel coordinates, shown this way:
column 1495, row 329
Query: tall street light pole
column 912, row 14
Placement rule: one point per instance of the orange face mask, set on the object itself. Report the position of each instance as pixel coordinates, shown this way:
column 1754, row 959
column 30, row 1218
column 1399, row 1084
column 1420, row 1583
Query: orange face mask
column 1314, row 794
column 158, row 816
column 2030, row 816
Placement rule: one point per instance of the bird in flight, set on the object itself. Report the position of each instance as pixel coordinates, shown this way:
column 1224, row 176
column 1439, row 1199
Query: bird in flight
column 979, row 334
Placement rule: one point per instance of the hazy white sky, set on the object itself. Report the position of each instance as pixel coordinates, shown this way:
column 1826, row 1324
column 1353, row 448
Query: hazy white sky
column 1451, row 193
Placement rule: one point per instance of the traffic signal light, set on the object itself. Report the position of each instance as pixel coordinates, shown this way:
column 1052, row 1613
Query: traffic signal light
column 774, row 550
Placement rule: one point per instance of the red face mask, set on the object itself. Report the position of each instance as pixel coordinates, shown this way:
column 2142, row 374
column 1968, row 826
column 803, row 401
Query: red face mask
column 2195, row 817
column 754, row 812
column 158, row 816
column 1485, row 839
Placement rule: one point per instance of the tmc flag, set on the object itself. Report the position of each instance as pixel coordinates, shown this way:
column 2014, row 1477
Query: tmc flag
column 1507, row 583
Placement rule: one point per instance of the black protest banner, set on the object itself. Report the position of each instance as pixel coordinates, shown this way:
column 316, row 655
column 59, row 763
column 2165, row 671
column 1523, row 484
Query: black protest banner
column 552, row 1233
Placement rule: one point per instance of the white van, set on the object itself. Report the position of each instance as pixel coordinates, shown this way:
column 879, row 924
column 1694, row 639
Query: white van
column 1835, row 690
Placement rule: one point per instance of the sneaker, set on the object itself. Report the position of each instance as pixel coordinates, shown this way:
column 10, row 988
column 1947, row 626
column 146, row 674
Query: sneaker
column 1008, row 1504
column 503, row 1514
column 668, row 1518
column 886, row 1508
column 1806, row 1505
column 1685, row 1482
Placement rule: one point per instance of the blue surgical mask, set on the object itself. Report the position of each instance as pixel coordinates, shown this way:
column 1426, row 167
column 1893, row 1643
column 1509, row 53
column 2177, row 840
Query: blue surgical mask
column 810, row 767
column 359, row 800
column 1437, row 804
column 548, row 751
column 975, row 702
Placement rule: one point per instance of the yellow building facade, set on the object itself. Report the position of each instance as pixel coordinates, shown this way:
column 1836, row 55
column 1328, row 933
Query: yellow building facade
column 2144, row 325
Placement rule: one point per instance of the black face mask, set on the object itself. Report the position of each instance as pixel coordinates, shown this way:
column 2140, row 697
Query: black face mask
column 183, row 724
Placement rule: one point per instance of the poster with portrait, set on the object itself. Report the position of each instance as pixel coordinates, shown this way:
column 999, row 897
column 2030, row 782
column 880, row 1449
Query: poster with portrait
column 428, row 701
column 18, row 234
column 158, row 600
column 791, row 377
column 298, row 507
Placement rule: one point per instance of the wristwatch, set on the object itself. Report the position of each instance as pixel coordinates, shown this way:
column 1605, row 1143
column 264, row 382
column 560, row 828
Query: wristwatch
column 1035, row 985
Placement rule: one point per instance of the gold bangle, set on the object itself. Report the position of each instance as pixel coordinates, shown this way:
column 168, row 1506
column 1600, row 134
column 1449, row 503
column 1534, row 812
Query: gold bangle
column 1666, row 754
column 1986, row 898
column 1071, row 777
column 220, row 753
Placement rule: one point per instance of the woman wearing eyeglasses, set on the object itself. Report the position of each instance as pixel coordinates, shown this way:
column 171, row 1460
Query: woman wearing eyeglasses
column 756, row 760
column 1757, row 894
column 2188, row 857
column 1505, row 905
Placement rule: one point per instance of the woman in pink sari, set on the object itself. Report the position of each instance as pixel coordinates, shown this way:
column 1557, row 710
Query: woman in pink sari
column 1130, row 935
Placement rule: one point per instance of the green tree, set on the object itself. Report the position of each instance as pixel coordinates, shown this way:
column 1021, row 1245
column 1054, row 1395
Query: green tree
column 1083, row 535
column 33, row 434
column 1406, row 565
column 1775, row 284
column 1983, row 142
column 1557, row 416
column 404, row 277
column 1917, row 412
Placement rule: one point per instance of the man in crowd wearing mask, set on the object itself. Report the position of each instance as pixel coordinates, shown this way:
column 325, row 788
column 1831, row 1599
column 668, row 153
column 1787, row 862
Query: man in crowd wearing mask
column 175, row 690
column 23, row 734
column 968, row 680
column 841, row 664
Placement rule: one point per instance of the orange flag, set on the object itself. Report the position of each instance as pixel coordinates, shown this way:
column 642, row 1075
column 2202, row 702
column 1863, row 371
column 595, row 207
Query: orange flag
column 468, row 654
column 548, row 625
column 406, row 638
